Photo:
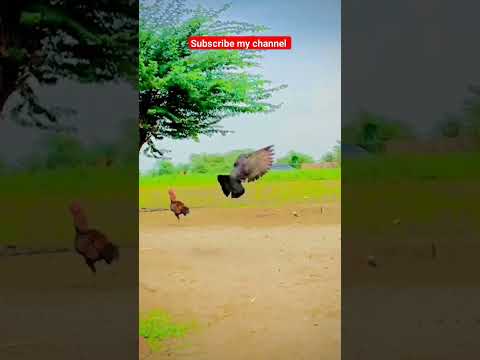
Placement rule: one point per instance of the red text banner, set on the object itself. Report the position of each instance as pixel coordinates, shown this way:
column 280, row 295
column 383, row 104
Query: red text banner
column 240, row 43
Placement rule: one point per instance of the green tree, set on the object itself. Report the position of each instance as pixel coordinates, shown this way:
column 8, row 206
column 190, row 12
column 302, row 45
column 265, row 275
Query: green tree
column 183, row 168
column 164, row 167
column 333, row 155
column 451, row 127
column 214, row 163
column 43, row 41
column 329, row 156
column 296, row 159
column 64, row 151
column 184, row 93
column 371, row 131
column 337, row 150
column 472, row 112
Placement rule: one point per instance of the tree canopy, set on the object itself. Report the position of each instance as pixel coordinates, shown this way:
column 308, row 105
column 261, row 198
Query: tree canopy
column 371, row 131
column 184, row 93
column 201, row 163
column 451, row 126
column 296, row 159
column 43, row 41
column 472, row 111
column 334, row 155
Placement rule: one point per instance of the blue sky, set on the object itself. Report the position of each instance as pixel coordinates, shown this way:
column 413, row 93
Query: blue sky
column 432, row 56
column 417, row 68
column 103, row 111
column 309, row 121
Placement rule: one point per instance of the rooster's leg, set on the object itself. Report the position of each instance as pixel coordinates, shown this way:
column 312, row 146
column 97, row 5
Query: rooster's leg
column 91, row 265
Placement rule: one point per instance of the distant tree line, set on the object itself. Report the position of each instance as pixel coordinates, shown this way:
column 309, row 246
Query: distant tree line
column 221, row 163
column 60, row 150
column 372, row 131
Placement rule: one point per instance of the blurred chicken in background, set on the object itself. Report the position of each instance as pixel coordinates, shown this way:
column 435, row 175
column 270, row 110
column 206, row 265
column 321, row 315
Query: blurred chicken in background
column 177, row 207
column 90, row 243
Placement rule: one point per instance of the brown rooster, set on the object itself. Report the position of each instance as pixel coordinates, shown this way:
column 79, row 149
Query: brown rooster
column 178, row 208
column 91, row 244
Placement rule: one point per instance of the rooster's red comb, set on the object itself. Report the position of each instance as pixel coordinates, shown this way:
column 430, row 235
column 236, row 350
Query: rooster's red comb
column 75, row 206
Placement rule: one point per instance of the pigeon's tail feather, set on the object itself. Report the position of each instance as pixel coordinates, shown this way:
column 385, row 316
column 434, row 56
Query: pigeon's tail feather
column 224, row 181
column 110, row 253
column 237, row 189
column 231, row 186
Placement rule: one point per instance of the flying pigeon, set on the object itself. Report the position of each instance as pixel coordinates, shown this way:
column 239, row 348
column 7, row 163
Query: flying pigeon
column 247, row 167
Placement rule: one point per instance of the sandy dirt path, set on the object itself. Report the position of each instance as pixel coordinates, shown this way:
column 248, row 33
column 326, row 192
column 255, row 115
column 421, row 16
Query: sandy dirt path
column 260, row 283
column 52, row 307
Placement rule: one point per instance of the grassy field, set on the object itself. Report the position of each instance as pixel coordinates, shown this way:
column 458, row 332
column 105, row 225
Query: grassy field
column 157, row 326
column 274, row 190
column 417, row 190
column 34, row 206
column 413, row 167
column 396, row 207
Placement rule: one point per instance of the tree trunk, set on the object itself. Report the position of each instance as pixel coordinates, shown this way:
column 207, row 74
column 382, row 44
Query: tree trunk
column 9, row 37
column 143, row 134
column 7, row 84
column 145, row 137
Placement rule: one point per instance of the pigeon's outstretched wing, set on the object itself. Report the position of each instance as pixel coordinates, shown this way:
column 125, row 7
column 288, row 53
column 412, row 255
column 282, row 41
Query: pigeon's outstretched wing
column 257, row 164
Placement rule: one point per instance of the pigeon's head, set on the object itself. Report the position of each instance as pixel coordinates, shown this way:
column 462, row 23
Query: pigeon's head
column 239, row 160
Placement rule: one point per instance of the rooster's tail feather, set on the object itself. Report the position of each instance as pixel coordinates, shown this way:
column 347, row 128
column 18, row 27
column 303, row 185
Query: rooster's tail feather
column 110, row 253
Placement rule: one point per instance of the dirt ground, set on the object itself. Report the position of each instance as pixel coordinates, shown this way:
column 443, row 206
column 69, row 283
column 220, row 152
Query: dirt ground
column 52, row 307
column 260, row 283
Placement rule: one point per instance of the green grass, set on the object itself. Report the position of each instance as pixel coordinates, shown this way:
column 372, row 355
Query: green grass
column 396, row 207
column 157, row 326
column 422, row 191
column 34, row 207
column 413, row 167
column 211, row 179
column 274, row 190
